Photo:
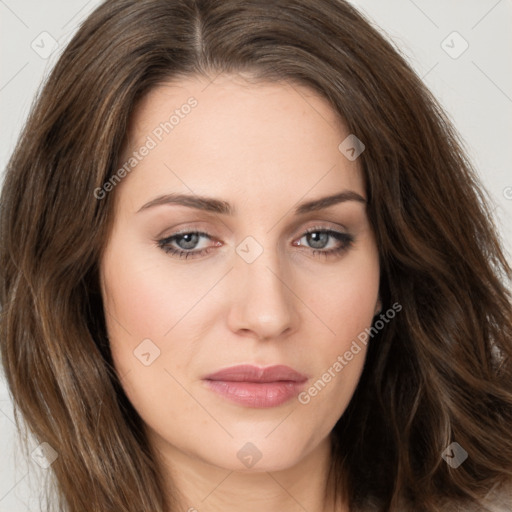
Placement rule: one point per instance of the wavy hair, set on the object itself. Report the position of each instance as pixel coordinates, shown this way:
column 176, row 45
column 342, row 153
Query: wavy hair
column 440, row 372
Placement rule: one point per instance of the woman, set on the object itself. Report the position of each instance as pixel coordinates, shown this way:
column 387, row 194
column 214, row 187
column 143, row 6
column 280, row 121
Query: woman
column 246, row 265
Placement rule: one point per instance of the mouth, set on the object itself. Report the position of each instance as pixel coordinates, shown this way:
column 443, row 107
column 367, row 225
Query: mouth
column 256, row 387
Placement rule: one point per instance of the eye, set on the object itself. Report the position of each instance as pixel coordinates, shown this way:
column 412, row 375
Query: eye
column 323, row 242
column 186, row 242
column 320, row 239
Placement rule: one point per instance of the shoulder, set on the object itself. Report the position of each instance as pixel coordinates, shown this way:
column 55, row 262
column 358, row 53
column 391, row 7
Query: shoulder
column 499, row 499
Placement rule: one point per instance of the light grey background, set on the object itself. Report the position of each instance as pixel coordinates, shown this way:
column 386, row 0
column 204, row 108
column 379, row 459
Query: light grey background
column 474, row 87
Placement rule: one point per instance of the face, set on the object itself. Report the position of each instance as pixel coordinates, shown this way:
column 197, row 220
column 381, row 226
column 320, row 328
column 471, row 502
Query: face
column 232, row 295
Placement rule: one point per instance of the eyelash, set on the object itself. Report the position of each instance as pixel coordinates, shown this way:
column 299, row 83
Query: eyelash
column 345, row 239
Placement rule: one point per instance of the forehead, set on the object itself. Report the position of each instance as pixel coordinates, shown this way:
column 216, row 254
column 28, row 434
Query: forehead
column 234, row 133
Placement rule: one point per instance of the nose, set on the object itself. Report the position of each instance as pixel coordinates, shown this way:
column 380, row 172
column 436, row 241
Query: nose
column 263, row 303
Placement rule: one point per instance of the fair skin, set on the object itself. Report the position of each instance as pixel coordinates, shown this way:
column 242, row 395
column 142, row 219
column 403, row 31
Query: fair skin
column 265, row 149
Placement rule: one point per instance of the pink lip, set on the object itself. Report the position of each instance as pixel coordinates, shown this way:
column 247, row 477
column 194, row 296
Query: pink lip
column 256, row 387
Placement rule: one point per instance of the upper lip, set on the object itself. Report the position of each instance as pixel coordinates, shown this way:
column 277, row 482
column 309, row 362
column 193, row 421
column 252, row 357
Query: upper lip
column 250, row 373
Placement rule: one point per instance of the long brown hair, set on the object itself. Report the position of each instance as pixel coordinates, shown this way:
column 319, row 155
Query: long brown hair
column 440, row 372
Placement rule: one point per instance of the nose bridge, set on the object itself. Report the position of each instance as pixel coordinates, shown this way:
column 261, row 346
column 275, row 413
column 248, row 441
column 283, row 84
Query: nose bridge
column 262, row 302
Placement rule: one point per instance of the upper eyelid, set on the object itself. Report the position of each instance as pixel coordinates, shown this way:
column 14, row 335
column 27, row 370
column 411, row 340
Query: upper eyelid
column 202, row 232
column 324, row 225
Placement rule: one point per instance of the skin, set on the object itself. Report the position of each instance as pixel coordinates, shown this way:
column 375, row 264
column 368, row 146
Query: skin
column 264, row 148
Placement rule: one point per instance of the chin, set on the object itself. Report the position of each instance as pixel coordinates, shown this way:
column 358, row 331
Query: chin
column 260, row 454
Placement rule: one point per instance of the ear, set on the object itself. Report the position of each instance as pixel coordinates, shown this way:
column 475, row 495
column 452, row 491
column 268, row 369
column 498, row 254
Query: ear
column 378, row 307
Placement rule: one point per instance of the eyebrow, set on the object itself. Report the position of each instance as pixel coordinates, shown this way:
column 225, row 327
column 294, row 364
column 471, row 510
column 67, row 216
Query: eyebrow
column 213, row 205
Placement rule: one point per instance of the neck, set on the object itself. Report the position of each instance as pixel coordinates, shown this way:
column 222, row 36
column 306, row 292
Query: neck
column 203, row 487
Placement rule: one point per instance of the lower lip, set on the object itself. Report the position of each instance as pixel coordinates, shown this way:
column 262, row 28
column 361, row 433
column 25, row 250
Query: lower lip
column 256, row 394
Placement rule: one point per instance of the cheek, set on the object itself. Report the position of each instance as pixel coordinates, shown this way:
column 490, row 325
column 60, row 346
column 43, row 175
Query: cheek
column 340, row 359
column 145, row 299
column 155, row 318
column 146, row 318
column 346, row 307
column 345, row 301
